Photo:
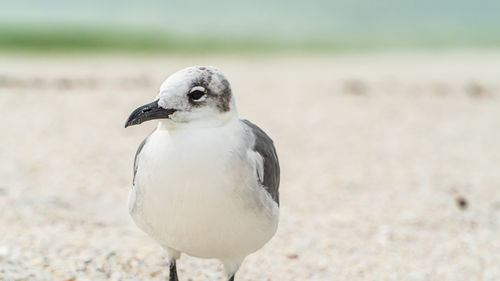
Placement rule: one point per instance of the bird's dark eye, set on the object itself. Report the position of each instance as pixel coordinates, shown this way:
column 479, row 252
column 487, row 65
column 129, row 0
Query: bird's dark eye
column 196, row 93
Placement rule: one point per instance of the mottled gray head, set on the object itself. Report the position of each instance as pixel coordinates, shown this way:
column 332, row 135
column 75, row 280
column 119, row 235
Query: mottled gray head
column 197, row 95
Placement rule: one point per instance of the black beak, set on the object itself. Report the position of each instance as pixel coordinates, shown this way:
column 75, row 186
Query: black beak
column 147, row 112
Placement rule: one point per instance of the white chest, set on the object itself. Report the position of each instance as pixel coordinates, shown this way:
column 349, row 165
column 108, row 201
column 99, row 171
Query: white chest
column 195, row 193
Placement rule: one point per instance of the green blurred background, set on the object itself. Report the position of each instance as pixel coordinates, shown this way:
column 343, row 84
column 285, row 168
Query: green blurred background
column 235, row 26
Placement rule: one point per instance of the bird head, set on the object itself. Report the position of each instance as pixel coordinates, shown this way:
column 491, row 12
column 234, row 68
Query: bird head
column 194, row 96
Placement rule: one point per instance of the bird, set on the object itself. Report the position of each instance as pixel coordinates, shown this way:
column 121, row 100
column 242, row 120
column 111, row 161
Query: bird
column 205, row 183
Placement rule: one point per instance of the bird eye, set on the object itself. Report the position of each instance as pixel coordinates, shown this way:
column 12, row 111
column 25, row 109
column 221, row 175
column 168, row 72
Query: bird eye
column 196, row 93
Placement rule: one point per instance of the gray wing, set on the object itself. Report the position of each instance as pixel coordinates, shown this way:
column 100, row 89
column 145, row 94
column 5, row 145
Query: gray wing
column 265, row 147
column 141, row 146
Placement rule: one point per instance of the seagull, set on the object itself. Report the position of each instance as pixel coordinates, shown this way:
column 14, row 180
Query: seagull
column 205, row 182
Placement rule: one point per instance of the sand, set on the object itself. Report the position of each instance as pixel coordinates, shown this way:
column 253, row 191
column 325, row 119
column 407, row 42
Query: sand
column 390, row 166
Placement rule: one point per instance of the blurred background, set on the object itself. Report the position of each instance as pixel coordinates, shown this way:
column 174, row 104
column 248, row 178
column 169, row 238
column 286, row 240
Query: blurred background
column 385, row 116
column 224, row 25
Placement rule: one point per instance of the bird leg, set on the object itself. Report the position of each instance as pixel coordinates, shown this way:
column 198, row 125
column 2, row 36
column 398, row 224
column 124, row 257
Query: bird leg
column 231, row 267
column 173, row 271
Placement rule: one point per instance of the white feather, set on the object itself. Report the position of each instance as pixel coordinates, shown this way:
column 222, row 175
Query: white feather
column 197, row 191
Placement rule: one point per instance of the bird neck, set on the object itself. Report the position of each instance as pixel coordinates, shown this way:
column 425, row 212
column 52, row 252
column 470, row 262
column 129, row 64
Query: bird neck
column 222, row 120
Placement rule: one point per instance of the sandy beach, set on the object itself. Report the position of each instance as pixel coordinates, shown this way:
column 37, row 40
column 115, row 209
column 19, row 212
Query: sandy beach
column 390, row 166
